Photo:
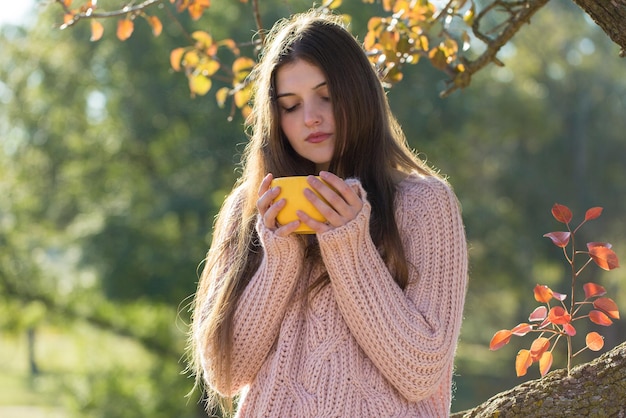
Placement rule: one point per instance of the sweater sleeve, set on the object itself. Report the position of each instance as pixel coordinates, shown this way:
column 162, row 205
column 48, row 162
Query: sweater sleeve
column 410, row 335
column 260, row 308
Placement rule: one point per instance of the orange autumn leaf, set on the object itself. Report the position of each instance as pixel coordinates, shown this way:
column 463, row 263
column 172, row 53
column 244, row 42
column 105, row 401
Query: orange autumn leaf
column 542, row 293
column 500, row 339
column 608, row 306
column 522, row 362
column 538, row 347
column 592, row 290
column 175, row 58
column 600, row 318
column 125, row 29
column 603, row 256
column 545, row 362
column 96, row 30
column 594, row 341
column 155, row 23
column 522, row 329
column 196, row 9
column 559, row 316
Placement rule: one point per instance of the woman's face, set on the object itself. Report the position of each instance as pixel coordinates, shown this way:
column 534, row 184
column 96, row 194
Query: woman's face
column 306, row 111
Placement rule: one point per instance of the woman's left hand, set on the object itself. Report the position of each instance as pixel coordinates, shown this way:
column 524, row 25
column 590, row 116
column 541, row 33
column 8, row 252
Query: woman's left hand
column 342, row 204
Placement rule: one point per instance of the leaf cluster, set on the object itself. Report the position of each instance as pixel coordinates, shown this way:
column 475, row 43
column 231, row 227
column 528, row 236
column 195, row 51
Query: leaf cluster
column 556, row 321
column 405, row 33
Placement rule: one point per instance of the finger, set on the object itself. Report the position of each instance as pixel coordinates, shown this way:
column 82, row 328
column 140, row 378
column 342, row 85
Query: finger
column 317, row 226
column 266, row 200
column 265, row 184
column 287, row 229
column 269, row 216
column 342, row 188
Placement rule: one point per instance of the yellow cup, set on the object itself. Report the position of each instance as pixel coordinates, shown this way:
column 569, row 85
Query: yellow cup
column 292, row 189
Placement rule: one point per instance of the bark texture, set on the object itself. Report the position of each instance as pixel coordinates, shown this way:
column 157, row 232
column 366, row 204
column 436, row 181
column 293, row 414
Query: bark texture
column 595, row 389
column 610, row 15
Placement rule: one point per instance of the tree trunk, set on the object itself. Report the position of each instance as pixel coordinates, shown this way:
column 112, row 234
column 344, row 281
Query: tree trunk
column 610, row 15
column 595, row 389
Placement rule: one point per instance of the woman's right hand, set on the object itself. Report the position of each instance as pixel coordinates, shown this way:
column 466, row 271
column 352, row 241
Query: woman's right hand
column 268, row 208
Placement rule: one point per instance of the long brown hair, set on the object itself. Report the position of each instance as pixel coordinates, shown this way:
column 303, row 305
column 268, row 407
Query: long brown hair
column 370, row 146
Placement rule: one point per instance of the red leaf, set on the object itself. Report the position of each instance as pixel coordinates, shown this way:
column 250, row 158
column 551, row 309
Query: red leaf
column 522, row 362
column 593, row 213
column 592, row 289
column 561, row 213
column 545, row 362
column 538, row 347
column 608, row 306
column 600, row 318
column 559, row 238
column 559, row 316
column 569, row 329
column 522, row 329
column 539, row 314
column 604, row 257
column 559, row 296
column 590, row 245
column 542, row 293
column 500, row 339
column 594, row 341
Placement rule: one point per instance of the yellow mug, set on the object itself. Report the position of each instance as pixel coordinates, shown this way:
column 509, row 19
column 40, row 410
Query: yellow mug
column 292, row 190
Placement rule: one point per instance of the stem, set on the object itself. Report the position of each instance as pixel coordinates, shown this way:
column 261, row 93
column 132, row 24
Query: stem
column 569, row 355
column 585, row 265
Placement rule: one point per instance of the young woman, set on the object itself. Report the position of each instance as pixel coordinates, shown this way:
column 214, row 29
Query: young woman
column 360, row 319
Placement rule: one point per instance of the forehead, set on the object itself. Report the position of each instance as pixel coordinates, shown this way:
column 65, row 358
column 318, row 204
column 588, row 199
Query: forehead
column 298, row 76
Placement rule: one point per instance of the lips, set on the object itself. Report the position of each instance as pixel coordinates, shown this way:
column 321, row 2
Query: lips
column 317, row 137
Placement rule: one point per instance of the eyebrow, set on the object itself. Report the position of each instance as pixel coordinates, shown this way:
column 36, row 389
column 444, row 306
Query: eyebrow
column 323, row 83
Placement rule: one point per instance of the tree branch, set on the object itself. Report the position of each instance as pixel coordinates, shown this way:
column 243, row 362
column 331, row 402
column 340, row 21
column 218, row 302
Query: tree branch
column 90, row 14
column 521, row 12
column 596, row 389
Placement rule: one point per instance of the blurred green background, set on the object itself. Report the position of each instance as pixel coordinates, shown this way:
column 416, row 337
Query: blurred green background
column 110, row 176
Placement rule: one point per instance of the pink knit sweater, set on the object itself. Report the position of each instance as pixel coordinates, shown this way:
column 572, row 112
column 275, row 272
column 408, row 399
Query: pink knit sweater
column 361, row 347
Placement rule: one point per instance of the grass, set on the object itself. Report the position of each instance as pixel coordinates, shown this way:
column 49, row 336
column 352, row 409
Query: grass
column 60, row 353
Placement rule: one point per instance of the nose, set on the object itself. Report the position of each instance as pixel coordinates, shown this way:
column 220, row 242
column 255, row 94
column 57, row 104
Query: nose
column 312, row 115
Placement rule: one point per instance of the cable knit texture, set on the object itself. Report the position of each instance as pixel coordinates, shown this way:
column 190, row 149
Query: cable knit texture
column 361, row 347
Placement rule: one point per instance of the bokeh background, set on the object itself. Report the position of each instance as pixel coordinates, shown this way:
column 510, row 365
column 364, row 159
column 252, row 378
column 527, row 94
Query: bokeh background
column 111, row 175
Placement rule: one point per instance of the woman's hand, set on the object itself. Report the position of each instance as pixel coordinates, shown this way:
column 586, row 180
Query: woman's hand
column 268, row 209
column 342, row 203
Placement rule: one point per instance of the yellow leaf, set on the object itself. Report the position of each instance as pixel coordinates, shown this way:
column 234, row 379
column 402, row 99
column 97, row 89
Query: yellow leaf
column 191, row 59
column 199, row 84
column 96, row 30
column 334, row 4
column 241, row 68
column 125, row 29
column 208, row 67
column 221, row 96
column 230, row 44
column 175, row 57
column 203, row 39
column 242, row 97
column 68, row 18
column 246, row 110
column 67, row 3
column 155, row 23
